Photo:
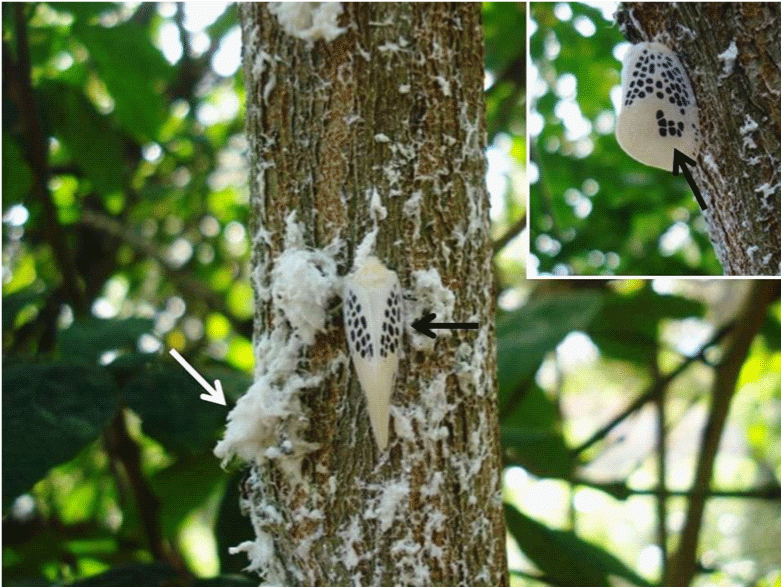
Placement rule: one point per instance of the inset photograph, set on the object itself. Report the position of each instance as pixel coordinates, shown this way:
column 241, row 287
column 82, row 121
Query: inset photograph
column 654, row 139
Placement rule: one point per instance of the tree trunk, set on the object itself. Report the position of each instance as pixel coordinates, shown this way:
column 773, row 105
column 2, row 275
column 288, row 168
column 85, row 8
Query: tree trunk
column 732, row 52
column 366, row 133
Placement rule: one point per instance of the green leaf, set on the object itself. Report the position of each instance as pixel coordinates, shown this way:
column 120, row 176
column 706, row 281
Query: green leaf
column 129, row 364
column 133, row 70
column 504, row 23
column 224, row 23
column 88, row 339
column 627, row 327
column 529, row 417
column 504, row 29
column 563, row 557
column 27, row 582
column 132, row 575
column 51, row 411
column 200, row 475
column 168, row 400
column 543, row 453
column 14, row 303
column 533, row 408
column 524, row 337
column 771, row 331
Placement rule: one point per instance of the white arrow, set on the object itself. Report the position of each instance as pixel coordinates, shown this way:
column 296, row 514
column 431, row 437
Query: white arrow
column 215, row 395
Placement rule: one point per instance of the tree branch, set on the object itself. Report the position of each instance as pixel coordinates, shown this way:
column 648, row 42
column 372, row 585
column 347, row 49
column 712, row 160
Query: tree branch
column 511, row 233
column 661, row 464
column 515, row 74
column 37, row 154
column 125, row 450
column 535, row 577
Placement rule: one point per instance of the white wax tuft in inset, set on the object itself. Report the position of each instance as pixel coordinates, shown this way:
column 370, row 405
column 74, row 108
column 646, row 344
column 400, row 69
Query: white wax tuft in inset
column 658, row 111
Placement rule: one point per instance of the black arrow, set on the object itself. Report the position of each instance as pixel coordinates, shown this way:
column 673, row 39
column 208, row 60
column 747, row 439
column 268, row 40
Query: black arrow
column 425, row 324
column 681, row 160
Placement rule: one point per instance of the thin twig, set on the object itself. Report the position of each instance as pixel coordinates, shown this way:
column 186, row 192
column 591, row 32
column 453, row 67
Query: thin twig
column 124, row 449
column 620, row 490
column 511, row 233
column 37, row 154
column 661, row 463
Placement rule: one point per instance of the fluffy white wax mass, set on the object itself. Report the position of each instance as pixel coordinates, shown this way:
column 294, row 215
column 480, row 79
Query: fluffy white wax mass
column 658, row 110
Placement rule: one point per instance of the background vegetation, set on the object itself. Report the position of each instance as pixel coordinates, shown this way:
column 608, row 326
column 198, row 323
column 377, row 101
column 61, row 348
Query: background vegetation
column 124, row 235
column 593, row 209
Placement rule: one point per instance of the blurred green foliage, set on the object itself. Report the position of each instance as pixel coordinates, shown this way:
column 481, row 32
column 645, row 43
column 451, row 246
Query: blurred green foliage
column 145, row 175
column 504, row 29
column 639, row 334
column 593, row 209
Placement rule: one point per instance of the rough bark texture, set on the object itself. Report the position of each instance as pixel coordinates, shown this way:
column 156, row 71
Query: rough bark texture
column 739, row 162
column 393, row 106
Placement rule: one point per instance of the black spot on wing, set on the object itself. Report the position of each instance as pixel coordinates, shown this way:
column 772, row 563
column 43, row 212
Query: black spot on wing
column 356, row 326
column 390, row 336
column 653, row 72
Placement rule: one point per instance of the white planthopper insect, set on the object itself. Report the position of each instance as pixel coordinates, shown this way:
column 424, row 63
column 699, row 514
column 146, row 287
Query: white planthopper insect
column 372, row 320
column 658, row 110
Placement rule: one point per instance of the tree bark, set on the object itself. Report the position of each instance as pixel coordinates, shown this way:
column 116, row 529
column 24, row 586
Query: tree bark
column 376, row 129
column 732, row 53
